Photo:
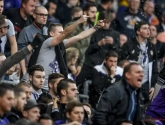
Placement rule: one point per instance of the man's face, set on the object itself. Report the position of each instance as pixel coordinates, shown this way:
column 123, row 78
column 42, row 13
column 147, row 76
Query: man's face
column 1, row 6
column 29, row 7
column 32, row 114
column 88, row 110
column 28, row 91
column 4, row 28
column 53, row 86
column 134, row 5
column 37, row 79
column 77, row 14
column 111, row 61
column 8, row 100
column 72, row 92
column 21, row 101
column 150, row 8
column 58, row 31
column 41, row 16
column 144, row 31
column 52, row 8
column 135, row 76
column 153, row 32
column 92, row 13
column 77, row 114
column 46, row 122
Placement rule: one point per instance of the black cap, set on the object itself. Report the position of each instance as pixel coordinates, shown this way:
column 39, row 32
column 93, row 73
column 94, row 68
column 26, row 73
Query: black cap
column 32, row 103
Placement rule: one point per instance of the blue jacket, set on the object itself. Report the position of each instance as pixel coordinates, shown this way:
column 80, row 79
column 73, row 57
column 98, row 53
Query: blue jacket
column 125, row 21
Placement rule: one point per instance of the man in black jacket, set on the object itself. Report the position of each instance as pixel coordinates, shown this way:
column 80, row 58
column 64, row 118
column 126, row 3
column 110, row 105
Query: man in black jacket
column 139, row 49
column 119, row 102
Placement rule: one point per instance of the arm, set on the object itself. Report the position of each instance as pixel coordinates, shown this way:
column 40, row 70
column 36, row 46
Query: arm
column 58, row 39
column 11, row 37
column 108, row 101
column 79, row 37
column 14, row 59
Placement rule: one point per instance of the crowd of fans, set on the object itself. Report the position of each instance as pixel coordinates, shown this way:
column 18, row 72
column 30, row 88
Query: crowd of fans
column 82, row 62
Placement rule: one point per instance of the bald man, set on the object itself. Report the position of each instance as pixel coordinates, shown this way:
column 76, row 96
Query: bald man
column 28, row 33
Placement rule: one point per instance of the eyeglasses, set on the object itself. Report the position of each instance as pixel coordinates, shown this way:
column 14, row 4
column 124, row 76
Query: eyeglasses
column 5, row 27
column 42, row 15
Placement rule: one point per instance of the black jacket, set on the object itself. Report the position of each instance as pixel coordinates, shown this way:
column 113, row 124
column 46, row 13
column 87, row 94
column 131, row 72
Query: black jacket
column 113, row 105
column 130, row 51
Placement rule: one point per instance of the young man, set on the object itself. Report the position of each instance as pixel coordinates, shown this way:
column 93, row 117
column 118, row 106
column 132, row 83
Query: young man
column 56, row 44
column 40, row 18
column 7, row 97
column 103, row 76
column 74, row 112
column 119, row 102
column 139, row 49
column 36, row 78
column 32, row 110
column 67, row 91
column 27, row 88
column 18, row 105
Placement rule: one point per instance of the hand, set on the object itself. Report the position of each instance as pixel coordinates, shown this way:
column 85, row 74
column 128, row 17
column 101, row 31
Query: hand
column 18, row 69
column 73, row 69
column 100, row 24
column 83, row 19
column 11, row 70
column 151, row 93
column 55, row 106
column 73, row 123
column 78, row 70
column 112, row 71
column 105, row 41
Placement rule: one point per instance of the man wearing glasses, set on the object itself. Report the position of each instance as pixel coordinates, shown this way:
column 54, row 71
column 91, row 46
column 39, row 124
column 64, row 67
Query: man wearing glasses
column 28, row 33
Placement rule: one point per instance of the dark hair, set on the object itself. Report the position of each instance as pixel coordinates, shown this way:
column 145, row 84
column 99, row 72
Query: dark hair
column 138, row 25
column 110, row 54
column 2, row 19
column 107, row 15
column 35, row 68
column 63, row 84
column 45, row 98
column 76, row 10
column 88, row 6
column 122, row 62
column 128, row 67
column 4, row 88
column 106, row 1
column 47, row 5
column 52, row 77
column 18, row 91
column 22, row 122
column 45, row 117
column 71, row 105
column 22, row 83
column 52, row 27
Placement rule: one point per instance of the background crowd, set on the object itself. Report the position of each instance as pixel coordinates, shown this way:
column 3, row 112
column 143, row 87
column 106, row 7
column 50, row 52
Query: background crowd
column 82, row 62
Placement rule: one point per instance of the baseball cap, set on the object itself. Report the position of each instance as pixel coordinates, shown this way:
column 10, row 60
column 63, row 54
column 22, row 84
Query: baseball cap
column 32, row 103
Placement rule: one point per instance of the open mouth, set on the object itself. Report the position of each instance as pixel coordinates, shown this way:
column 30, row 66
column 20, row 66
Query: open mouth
column 139, row 80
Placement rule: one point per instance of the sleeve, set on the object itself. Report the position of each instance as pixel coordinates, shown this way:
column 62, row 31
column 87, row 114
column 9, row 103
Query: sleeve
column 11, row 31
column 12, row 60
column 115, row 25
column 22, row 39
column 93, row 39
column 99, row 82
column 154, row 69
column 108, row 101
column 12, row 119
column 124, row 51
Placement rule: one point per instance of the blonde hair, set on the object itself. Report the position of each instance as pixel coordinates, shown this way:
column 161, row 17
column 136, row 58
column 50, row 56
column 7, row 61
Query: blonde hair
column 71, row 53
